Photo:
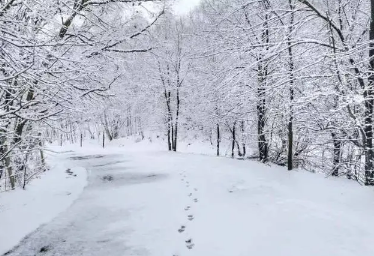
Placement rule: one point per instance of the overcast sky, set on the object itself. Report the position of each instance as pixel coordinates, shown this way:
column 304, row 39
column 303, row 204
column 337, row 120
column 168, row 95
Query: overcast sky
column 184, row 6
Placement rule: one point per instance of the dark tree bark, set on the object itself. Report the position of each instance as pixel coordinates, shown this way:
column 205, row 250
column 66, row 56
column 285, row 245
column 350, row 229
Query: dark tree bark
column 261, row 94
column 169, row 125
column 336, row 152
column 262, row 143
column 244, row 149
column 291, row 89
column 218, row 139
column 233, row 140
column 103, row 139
column 176, row 123
column 369, row 102
column 4, row 146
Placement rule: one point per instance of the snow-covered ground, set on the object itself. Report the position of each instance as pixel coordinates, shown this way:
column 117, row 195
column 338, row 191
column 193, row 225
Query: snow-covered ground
column 141, row 200
column 52, row 192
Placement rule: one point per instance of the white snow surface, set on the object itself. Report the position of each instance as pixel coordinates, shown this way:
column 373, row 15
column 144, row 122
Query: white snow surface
column 141, row 200
column 52, row 192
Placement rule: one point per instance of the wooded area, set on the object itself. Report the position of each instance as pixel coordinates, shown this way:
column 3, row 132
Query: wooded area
column 288, row 82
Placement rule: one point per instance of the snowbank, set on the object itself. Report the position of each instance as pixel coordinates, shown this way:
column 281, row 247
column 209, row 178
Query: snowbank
column 23, row 211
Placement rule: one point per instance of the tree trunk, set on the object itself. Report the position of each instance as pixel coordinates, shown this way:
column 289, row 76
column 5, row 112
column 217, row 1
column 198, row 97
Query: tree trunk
column 110, row 137
column 169, row 125
column 291, row 89
column 9, row 168
column 169, row 136
column 218, row 139
column 262, row 144
column 176, row 119
column 103, row 139
column 233, row 140
column 172, row 137
column 369, row 101
column 141, row 128
column 336, row 152
column 78, row 7
column 261, row 94
column 243, row 139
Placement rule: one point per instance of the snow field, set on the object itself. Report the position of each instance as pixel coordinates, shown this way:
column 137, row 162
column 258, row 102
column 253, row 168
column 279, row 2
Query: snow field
column 144, row 201
column 23, row 211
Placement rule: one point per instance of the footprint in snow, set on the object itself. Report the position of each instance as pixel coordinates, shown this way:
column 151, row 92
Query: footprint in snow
column 189, row 244
column 45, row 249
column 195, row 200
column 187, row 208
column 190, row 217
column 182, row 229
column 190, row 194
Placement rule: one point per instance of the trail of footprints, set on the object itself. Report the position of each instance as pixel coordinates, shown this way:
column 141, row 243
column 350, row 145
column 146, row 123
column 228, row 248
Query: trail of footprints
column 190, row 217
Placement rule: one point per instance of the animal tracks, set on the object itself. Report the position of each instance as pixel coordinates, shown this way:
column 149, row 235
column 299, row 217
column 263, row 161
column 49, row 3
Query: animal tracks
column 182, row 229
column 191, row 194
column 189, row 244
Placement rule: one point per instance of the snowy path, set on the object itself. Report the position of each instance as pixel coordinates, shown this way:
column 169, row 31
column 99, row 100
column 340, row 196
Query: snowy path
column 162, row 204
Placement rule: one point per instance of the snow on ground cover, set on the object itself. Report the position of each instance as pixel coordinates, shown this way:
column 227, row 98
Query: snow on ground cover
column 144, row 201
column 247, row 208
column 23, row 211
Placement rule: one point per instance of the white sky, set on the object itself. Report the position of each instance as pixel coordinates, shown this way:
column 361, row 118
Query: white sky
column 182, row 7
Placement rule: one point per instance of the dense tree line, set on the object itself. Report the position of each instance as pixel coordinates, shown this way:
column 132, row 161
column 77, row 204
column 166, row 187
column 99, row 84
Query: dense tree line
column 58, row 59
column 288, row 82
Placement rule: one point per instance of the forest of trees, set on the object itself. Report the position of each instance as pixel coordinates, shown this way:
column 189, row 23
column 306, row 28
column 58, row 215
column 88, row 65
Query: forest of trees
column 288, row 82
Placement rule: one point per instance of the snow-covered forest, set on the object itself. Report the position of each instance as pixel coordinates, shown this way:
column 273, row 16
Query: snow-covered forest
column 287, row 82
column 281, row 83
